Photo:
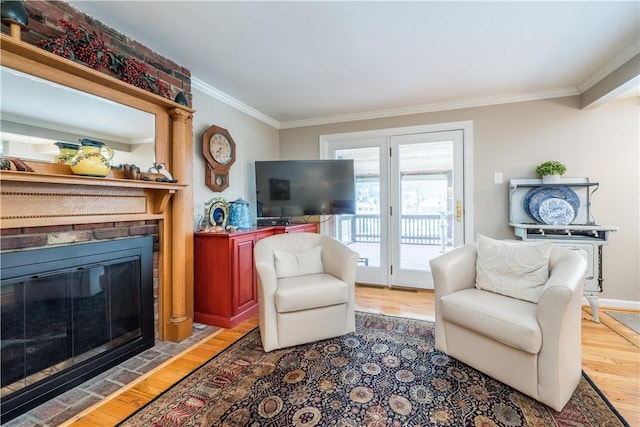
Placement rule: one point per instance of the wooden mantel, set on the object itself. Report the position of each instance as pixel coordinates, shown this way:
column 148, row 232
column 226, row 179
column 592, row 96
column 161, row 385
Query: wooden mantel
column 52, row 196
column 39, row 199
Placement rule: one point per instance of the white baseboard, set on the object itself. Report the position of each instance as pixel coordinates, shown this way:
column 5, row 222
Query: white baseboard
column 615, row 303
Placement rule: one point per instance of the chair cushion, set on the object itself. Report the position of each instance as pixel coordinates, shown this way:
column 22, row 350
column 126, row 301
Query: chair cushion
column 291, row 264
column 311, row 291
column 515, row 269
column 508, row 320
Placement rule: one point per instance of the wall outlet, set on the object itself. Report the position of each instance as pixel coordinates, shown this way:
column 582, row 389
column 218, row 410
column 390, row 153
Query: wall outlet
column 497, row 177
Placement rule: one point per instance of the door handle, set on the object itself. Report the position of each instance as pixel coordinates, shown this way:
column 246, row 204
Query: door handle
column 458, row 210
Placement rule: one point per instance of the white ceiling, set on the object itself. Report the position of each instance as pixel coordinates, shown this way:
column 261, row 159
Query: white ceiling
column 306, row 62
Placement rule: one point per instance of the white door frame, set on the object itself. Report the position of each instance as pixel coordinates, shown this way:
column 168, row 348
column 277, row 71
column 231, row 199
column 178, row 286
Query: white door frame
column 326, row 143
column 376, row 273
column 417, row 277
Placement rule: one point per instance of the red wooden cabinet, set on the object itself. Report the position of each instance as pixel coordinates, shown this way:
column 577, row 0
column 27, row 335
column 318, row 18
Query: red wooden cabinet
column 225, row 276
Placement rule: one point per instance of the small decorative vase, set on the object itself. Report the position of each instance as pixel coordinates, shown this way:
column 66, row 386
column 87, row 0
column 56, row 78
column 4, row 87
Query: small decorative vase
column 202, row 222
column 67, row 151
column 550, row 179
column 90, row 161
column 181, row 99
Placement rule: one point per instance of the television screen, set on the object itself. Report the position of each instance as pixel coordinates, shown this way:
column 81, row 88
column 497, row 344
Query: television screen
column 287, row 188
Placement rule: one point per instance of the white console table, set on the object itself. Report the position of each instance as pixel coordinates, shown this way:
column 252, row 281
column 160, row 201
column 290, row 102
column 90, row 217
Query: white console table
column 582, row 235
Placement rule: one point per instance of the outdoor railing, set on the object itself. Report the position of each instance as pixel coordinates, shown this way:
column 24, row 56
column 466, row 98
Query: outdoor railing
column 415, row 229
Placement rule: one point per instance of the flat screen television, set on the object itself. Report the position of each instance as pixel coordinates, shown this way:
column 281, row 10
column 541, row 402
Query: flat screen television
column 290, row 188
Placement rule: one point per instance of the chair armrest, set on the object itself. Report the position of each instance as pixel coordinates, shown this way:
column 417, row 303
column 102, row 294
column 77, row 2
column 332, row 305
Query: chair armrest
column 267, row 285
column 567, row 270
column 455, row 270
column 267, row 278
column 339, row 260
column 559, row 316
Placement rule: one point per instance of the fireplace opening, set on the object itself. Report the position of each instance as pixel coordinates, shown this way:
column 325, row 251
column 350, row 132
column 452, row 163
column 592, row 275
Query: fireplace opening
column 68, row 313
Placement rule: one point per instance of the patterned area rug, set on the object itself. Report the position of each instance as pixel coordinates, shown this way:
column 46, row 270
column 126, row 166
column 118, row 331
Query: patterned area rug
column 388, row 373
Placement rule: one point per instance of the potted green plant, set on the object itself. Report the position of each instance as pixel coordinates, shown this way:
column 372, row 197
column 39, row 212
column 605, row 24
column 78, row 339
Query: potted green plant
column 550, row 171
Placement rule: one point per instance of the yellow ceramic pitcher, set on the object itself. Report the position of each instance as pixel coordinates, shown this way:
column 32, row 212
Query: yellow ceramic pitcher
column 90, row 161
column 67, row 151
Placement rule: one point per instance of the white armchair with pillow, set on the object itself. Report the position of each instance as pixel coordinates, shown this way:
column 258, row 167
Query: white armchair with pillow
column 512, row 310
column 305, row 288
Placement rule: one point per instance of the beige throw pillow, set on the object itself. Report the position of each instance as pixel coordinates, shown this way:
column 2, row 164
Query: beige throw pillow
column 290, row 264
column 514, row 269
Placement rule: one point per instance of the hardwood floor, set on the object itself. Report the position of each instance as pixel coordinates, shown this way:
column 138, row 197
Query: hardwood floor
column 611, row 357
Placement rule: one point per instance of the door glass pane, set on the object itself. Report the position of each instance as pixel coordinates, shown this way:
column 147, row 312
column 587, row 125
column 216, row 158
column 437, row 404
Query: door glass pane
column 361, row 231
column 426, row 195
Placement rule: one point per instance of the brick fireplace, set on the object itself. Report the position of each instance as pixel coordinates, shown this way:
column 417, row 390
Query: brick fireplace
column 12, row 239
column 77, row 208
column 70, row 312
column 52, row 207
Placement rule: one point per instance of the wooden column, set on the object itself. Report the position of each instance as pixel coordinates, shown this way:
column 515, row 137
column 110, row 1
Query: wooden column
column 15, row 30
column 180, row 240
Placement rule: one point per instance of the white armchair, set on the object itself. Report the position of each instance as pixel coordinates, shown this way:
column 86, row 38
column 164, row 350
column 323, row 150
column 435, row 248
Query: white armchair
column 310, row 307
column 532, row 347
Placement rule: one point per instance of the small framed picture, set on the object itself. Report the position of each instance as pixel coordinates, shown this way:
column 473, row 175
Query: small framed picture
column 218, row 211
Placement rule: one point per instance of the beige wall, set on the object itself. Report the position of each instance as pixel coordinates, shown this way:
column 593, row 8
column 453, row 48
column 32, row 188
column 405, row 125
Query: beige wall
column 600, row 143
column 254, row 141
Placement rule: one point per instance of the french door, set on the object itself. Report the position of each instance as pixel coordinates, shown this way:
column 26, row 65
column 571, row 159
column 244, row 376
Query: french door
column 410, row 200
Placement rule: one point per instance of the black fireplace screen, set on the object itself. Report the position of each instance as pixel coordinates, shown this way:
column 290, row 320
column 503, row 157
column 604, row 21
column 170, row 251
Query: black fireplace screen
column 69, row 313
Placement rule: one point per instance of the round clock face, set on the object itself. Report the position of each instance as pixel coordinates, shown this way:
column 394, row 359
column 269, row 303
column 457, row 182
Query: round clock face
column 220, row 148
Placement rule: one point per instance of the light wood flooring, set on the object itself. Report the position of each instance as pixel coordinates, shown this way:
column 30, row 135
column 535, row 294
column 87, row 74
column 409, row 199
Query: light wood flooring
column 611, row 357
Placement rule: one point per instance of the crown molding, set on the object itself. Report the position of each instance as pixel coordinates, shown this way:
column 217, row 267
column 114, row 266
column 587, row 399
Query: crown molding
column 620, row 59
column 430, row 108
column 378, row 114
column 200, row 85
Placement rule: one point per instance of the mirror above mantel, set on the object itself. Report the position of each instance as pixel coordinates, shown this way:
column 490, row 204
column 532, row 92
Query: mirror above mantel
column 38, row 193
column 35, row 113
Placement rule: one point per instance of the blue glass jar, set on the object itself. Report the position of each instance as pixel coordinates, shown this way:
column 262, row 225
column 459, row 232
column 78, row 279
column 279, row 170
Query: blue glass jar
column 239, row 214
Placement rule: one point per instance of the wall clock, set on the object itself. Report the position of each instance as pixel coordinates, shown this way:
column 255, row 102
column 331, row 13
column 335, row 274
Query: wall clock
column 219, row 152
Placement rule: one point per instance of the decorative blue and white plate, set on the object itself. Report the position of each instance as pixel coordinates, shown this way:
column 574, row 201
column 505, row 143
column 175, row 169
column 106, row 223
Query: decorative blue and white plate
column 527, row 200
column 556, row 212
column 533, row 199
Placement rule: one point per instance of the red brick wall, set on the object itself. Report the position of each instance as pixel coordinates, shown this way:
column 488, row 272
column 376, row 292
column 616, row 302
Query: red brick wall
column 36, row 237
column 43, row 24
column 33, row 237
